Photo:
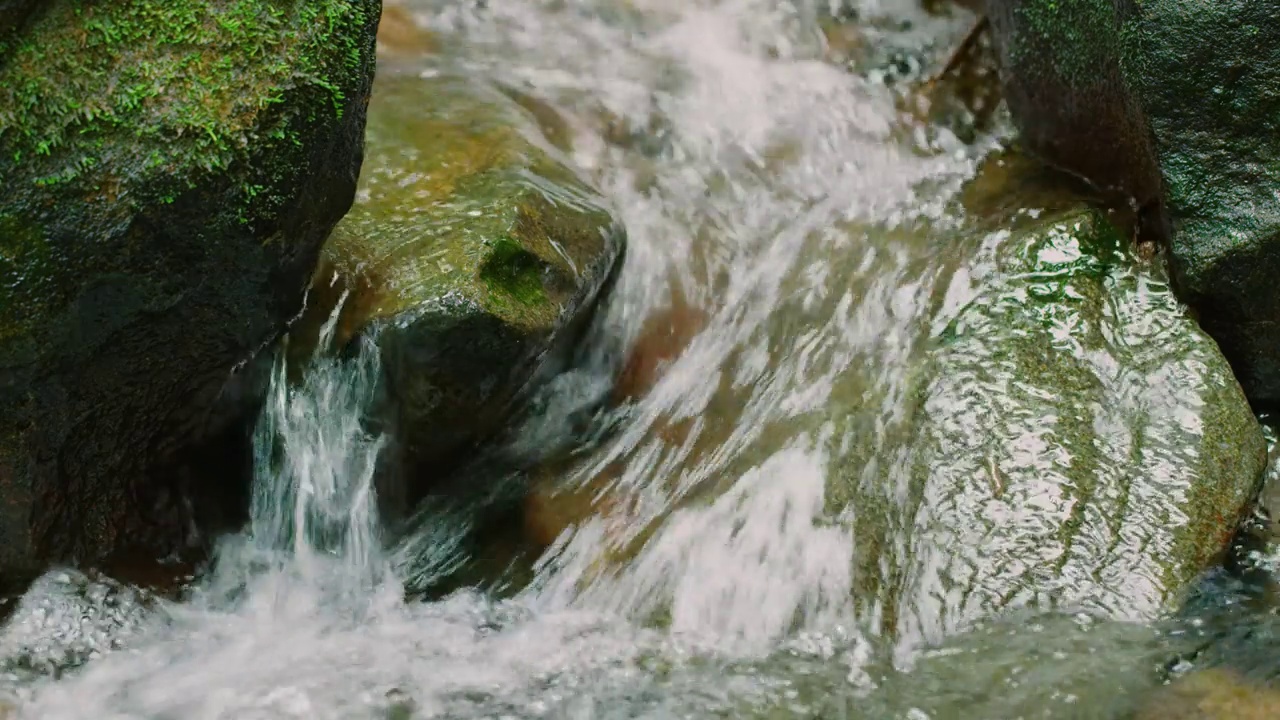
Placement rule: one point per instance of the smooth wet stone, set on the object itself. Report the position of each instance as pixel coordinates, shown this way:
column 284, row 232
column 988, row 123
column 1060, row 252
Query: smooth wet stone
column 1073, row 441
column 170, row 172
column 473, row 254
column 1208, row 74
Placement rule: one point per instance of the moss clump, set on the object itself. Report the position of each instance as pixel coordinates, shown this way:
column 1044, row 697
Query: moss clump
column 173, row 87
column 108, row 110
column 171, row 170
column 512, row 270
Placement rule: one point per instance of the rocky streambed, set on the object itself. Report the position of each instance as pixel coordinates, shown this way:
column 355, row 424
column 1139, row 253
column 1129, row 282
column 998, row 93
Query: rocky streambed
column 644, row 359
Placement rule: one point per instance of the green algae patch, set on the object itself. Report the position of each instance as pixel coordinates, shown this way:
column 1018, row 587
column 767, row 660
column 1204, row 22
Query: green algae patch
column 472, row 251
column 512, row 270
column 1076, row 442
column 171, row 170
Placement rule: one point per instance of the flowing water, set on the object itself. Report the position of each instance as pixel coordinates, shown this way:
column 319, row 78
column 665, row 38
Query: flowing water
column 786, row 198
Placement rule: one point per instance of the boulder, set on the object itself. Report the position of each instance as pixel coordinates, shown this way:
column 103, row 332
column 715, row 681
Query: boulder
column 1208, row 74
column 1073, row 441
column 171, row 171
column 473, row 254
column 1061, row 77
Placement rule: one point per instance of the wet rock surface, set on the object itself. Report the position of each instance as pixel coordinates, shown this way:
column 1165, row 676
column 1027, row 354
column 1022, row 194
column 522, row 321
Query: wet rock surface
column 1208, row 75
column 472, row 254
column 171, row 170
column 1074, row 442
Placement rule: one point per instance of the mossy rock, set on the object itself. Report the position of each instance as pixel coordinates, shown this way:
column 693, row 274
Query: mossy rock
column 472, row 253
column 1075, row 442
column 1208, row 74
column 171, row 170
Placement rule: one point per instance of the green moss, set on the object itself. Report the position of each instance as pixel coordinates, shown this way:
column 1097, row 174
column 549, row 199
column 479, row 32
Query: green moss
column 514, row 271
column 169, row 86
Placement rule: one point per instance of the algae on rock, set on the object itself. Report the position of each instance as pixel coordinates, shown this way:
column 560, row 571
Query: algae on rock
column 171, row 169
column 1076, row 443
column 472, row 253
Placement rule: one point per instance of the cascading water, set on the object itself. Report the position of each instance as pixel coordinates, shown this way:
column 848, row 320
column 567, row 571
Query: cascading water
column 314, row 461
column 781, row 194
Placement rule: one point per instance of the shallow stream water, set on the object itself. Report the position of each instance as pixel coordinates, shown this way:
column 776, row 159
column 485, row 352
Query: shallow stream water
column 787, row 199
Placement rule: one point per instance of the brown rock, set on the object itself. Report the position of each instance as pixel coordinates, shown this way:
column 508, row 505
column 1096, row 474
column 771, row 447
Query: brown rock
column 663, row 337
column 400, row 34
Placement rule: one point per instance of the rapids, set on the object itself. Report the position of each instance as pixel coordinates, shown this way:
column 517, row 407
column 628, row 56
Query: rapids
column 786, row 197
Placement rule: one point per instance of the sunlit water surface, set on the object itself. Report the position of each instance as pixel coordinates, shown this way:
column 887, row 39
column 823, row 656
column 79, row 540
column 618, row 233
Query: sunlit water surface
column 756, row 176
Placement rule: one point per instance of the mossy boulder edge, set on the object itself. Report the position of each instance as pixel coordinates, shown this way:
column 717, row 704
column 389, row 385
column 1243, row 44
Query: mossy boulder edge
column 171, row 171
column 473, row 255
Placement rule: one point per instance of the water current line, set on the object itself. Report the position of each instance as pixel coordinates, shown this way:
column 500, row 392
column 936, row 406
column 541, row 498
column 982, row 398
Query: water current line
column 314, row 465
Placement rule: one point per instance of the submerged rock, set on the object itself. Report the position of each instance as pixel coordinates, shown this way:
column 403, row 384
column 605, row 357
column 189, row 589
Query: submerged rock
column 1214, row 694
column 1208, row 74
column 171, row 170
column 1075, row 442
column 472, row 253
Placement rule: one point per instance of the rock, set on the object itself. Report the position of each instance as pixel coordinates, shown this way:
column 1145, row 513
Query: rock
column 1042, row 665
column 1213, row 694
column 1061, row 77
column 1208, row 74
column 1074, row 442
column 171, row 170
column 473, row 254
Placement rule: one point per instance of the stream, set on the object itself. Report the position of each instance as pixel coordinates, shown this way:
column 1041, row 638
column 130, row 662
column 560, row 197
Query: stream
column 785, row 197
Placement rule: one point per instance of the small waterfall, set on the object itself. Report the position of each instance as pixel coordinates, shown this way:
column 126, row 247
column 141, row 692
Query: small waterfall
column 313, row 506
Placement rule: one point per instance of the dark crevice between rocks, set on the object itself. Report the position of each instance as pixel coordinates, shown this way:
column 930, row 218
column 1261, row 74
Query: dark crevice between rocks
column 14, row 16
